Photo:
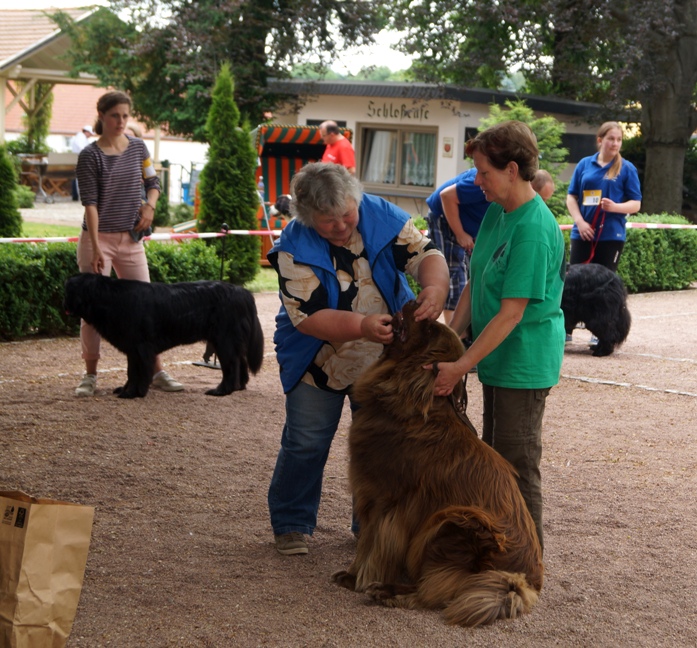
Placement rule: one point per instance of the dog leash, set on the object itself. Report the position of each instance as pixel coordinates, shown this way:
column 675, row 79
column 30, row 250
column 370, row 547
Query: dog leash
column 460, row 406
column 597, row 231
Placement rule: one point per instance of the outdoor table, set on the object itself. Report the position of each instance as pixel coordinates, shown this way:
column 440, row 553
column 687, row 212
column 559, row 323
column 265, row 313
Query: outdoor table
column 38, row 165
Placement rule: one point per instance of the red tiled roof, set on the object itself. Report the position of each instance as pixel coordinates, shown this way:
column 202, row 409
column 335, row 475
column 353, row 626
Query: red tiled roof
column 22, row 28
column 73, row 107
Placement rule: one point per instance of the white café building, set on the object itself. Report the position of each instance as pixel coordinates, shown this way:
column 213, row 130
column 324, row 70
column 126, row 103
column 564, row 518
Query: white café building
column 410, row 137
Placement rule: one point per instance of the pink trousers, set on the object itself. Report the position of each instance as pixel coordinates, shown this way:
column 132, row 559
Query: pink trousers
column 128, row 260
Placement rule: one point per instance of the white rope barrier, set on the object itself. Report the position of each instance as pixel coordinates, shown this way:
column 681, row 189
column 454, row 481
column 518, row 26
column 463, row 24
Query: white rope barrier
column 163, row 236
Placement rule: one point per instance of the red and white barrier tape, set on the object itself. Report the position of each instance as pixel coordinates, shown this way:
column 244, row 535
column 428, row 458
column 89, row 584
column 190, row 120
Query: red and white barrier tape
column 204, row 235
column 159, row 236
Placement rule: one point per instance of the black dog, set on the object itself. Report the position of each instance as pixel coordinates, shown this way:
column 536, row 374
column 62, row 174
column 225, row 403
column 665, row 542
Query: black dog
column 144, row 319
column 597, row 297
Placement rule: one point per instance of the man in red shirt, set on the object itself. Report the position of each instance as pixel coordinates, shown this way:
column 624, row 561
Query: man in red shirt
column 339, row 150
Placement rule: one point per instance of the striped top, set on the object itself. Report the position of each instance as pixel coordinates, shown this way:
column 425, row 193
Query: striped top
column 114, row 183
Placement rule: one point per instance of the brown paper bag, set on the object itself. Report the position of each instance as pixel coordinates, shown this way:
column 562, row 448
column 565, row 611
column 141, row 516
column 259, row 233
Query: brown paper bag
column 43, row 552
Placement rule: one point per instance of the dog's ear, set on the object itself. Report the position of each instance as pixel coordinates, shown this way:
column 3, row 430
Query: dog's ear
column 420, row 391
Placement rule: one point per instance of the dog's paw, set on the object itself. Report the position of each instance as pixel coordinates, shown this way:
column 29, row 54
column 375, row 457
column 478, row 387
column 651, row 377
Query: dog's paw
column 218, row 391
column 125, row 392
column 392, row 594
column 344, row 579
column 600, row 350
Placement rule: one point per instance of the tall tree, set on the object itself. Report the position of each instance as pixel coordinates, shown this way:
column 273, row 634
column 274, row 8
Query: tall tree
column 636, row 57
column 228, row 191
column 167, row 53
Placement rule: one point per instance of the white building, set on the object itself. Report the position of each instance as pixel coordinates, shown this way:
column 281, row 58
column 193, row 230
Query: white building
column 410, row 137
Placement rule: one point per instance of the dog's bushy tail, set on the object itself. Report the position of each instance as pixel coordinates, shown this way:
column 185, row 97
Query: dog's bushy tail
column 255, row 348
column 489, row 596
column 624, row 323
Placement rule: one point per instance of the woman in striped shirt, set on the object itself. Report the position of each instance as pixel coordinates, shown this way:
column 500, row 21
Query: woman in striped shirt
column 111, row 173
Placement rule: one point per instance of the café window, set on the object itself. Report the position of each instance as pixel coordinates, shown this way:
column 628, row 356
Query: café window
column 398, row 158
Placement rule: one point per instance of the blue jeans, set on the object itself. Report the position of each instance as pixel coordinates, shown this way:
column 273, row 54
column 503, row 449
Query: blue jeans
column 312, row 418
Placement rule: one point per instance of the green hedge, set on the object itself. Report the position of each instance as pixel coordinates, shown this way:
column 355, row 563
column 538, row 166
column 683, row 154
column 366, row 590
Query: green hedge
column 659, row 259
column 652, row 260
column 32, row 275
column 32, row 278
column 655, row 259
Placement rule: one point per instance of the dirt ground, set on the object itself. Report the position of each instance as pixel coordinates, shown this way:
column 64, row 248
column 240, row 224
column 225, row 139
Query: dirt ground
column 182, row 551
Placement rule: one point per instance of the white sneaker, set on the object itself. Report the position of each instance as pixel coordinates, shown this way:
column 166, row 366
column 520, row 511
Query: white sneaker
column 162, row 380
column 87, row 385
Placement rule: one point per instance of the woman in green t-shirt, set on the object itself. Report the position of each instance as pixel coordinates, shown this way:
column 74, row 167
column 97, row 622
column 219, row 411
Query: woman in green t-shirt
column 512, row 303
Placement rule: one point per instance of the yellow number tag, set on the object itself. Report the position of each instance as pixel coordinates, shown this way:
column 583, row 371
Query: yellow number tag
column 592, row 197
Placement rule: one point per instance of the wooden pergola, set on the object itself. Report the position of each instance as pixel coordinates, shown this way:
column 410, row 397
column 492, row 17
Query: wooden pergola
column 32, row 51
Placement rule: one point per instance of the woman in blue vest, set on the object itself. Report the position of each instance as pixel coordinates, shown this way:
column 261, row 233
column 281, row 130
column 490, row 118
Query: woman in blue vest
column 341, row 264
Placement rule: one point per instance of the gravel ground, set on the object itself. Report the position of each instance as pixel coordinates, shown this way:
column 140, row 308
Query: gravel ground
column 182, row 551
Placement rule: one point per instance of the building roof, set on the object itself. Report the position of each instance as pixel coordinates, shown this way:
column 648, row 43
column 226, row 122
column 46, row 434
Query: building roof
column 32, row 46
column 424, row 91
column 73, row 107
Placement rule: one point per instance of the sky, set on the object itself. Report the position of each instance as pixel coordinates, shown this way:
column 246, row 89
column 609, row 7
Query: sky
column 350, row 61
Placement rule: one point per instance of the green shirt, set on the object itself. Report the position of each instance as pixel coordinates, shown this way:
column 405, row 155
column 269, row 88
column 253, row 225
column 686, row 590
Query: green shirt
column 520, row 255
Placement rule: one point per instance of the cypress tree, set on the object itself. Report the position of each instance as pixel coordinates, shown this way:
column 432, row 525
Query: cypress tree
column 227, row 188
column 10, row 218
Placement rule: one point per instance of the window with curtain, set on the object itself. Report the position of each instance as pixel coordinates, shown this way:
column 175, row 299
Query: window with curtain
column 398, row 157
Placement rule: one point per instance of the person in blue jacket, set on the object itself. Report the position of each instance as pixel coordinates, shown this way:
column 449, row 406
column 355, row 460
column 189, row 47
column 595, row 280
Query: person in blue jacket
column 456, row 210
column 341, row 264
column 604, row 189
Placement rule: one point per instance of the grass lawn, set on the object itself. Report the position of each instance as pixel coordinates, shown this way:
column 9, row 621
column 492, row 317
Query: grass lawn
column 43, row 230
column 265, row 281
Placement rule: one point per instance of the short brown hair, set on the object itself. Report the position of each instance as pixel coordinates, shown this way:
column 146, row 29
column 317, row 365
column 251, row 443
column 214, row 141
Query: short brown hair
column 509, row 141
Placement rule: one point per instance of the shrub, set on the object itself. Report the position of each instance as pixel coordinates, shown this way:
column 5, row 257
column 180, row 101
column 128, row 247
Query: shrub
column 25, row 197
column 31, row 288
column 161, row 216
column 659, row 259
column 188, row 261
column 228, row 189
column 10, row 218
column 181, row 213
column 32, row 278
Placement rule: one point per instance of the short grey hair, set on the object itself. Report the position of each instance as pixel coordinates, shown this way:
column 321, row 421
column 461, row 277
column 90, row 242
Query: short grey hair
column 323, row 189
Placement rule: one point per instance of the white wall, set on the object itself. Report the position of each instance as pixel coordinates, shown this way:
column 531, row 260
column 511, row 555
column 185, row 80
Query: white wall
column 449, row 117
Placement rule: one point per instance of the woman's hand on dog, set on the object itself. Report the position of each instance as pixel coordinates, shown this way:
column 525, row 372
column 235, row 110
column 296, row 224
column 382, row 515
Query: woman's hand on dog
column 448, row 374
column 377, row 328
column 431, row 302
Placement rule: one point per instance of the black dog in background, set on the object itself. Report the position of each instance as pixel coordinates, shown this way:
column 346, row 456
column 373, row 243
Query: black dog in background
column 597, row 297
column 144, row 319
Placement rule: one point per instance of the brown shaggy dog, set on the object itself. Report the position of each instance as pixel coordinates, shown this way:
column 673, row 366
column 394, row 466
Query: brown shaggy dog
column 442, row 521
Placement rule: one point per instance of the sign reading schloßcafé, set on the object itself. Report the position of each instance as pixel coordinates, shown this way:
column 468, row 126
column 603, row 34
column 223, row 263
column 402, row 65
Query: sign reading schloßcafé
column 397, row 111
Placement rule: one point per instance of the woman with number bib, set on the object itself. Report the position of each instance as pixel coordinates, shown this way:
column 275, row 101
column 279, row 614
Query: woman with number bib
column 603, row 190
